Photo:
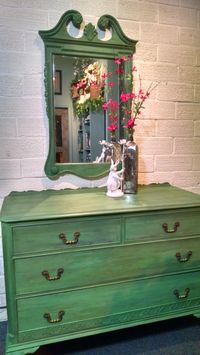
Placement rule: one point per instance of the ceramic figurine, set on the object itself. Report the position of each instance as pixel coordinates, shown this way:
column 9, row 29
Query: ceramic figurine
column 114, row 181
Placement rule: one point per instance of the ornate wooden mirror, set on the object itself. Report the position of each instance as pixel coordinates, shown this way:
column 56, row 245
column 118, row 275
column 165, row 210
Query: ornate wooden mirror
column 75, row 52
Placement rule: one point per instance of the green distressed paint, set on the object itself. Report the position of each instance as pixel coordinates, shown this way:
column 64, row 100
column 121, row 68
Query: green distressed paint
column 122, row 272
column 58, row 41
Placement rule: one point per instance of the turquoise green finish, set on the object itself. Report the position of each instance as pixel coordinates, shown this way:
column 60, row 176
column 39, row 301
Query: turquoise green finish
column 45, row 237
column 51, row 204
column 122, row 272
column 102, row 302
column 29, row 278
column 58, row 41
column 148, row 226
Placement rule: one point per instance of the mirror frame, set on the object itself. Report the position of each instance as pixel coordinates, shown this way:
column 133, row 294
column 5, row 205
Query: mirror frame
column 58, row 41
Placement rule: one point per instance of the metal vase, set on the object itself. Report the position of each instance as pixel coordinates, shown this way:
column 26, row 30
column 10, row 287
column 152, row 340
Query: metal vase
column 130, row 162
column 116, row 148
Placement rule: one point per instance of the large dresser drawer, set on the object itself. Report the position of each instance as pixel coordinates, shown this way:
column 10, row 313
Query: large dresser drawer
column 104, row 265
column 168, row 225
column 65, row 234
column 108, row 305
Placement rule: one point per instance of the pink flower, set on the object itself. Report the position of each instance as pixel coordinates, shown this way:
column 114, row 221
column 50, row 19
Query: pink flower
column 130, row 123
column 105, row 105
column 124, row 58
column 132, row 95
column 112, row 127
column 134, row 68
column 106, row 75
column 113, row 117
column 124, row 97
column 114, row 105
column 117, row 61
column 93, row 83
column 119, row 70
column 111, row 84
column 80, row 84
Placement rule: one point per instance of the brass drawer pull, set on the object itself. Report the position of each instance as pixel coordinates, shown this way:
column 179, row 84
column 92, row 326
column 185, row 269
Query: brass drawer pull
column 184, row 295
column 74, row 241
column 45, row 273
column 165, row 227
column 183, row 259
column 60, row 317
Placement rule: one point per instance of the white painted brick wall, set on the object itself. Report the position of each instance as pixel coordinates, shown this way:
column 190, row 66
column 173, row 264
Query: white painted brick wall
column 159, row 34
column 137, row 11
column 175, row 128
column 168, row 51
column 182, row 55
column 177, row 16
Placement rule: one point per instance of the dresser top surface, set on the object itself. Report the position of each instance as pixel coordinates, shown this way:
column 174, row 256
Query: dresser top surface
column 32, row 205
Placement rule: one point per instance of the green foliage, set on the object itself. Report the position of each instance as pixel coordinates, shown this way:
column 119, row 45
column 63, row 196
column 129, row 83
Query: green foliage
column 89, row 105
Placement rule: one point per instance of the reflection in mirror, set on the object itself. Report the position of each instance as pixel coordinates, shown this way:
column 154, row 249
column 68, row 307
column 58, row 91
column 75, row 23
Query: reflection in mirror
column 80, row 89
column 77, row 54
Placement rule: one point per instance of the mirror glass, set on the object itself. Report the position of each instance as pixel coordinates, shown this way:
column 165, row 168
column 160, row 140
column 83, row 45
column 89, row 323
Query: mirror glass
column 79, row 60
column 80, row 89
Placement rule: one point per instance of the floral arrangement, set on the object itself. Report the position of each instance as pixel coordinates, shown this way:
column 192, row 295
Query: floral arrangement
column 87, row 91
column 93, row 89
column 130, row 103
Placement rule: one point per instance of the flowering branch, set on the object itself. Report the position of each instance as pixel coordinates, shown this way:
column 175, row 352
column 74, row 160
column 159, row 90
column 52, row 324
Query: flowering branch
column 131, row 103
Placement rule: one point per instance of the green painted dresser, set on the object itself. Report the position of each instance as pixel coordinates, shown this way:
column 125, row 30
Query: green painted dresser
column 79, row 263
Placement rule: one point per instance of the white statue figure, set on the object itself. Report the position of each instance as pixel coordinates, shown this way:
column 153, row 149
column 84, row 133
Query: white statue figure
column 114, row 181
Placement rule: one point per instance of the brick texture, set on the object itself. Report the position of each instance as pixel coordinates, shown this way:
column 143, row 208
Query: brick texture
column 178, row 16
column 159, row 34
column 187, row 111
column 175, row 128
column 137, row 11
column 177, row 55
column 187, row 145
column 173, row 163
column 168, row 52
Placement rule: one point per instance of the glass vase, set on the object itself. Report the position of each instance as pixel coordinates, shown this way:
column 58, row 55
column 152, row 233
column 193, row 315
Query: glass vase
column 130, row 162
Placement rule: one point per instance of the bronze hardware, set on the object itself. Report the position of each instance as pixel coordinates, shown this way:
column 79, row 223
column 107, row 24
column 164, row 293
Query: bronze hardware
column 165, row 227
column 60, row 317
column 184, row 295
column 45, row 273
column 183, row 259
column 74, row 241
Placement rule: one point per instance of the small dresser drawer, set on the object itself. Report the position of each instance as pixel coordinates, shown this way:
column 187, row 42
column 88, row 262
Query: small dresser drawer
column 105, row 265
column 167, row 225
column 65, row 234
column 97, row 307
